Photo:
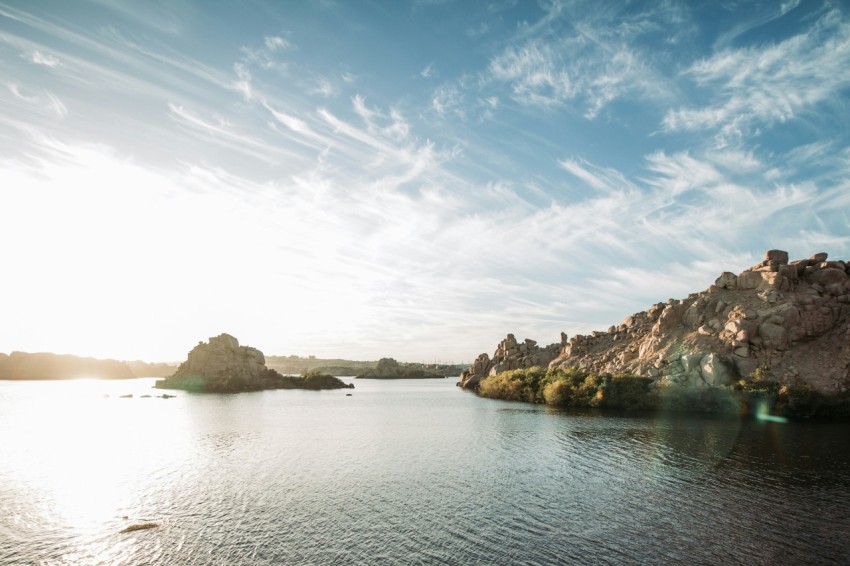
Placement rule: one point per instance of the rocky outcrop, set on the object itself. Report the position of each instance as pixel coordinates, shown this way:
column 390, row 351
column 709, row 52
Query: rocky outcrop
column 223, row 366
column 509, row 355
column 789, row 318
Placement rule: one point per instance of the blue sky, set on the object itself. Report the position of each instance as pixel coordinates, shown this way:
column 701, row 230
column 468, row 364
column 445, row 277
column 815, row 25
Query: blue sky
column 407, row 179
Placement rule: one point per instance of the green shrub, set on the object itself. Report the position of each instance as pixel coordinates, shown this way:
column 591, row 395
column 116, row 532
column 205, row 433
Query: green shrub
column 573, row 387
column 558, row 393
column 506, row 385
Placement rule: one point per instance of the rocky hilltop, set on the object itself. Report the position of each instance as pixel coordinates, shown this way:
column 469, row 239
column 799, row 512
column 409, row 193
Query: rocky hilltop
column 788, row 319
column 223, row 366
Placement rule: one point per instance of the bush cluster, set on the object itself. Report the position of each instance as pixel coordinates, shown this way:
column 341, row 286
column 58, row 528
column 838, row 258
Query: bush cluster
column 573, row 387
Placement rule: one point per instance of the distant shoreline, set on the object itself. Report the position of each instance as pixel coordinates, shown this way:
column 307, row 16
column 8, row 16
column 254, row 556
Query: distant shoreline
column 45, row 366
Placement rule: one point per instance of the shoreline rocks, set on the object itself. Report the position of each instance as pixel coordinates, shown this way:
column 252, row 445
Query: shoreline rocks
column 791, row 319
column 510, row 354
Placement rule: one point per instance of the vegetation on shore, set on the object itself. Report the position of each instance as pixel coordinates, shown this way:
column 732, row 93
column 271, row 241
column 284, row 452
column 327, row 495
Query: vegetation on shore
column 572, row 387
column 313, row 380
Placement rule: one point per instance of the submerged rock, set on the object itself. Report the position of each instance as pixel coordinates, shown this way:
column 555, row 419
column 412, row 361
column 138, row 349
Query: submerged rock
column 139, row 527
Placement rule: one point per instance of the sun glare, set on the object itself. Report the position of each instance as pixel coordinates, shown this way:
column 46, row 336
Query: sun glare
column 96, row 430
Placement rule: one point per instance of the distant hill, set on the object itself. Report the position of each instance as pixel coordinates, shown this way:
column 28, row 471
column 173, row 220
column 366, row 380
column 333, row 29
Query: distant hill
column 334, row 366
column 339, row 367
column 43, row 365
column 388, row 368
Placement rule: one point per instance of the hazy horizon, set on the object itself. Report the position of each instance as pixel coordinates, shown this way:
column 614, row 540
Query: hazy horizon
column 404, row 179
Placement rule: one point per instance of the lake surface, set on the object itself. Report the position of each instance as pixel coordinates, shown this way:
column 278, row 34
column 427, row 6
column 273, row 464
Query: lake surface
column 404, row 472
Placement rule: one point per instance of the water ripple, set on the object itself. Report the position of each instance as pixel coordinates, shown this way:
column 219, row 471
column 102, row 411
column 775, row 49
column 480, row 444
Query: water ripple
column 407, row 473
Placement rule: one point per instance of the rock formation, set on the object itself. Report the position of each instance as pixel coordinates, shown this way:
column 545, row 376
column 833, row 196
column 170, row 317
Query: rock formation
column 510, row 354
column 791, row 319
column 223, row 366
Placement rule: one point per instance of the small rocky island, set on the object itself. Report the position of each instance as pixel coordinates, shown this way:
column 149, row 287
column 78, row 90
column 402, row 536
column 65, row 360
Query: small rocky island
column 388, row 368
column 223, row 366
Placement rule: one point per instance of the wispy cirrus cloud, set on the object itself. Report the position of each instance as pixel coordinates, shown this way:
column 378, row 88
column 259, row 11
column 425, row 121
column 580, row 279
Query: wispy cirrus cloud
column 429, row 71
column 224, row 134
column 573, row 57
column 761, row 86
column 44, row 100
column 758, row 18
column 45, row 59
column 275, row 43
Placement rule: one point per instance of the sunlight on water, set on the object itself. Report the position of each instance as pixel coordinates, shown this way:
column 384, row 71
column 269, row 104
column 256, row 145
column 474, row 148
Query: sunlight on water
column 81, row 451
column 402, row 473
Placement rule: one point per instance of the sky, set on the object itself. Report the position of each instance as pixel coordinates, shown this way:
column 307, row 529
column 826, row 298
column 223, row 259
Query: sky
column 407, row 179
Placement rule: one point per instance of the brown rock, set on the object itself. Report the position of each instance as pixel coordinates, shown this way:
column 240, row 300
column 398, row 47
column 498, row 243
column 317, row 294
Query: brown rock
column 727, row 280
column 778, row 256
column 778, row 315
column 829, row 276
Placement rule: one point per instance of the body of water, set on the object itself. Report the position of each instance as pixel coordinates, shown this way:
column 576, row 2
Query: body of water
column 404, row 472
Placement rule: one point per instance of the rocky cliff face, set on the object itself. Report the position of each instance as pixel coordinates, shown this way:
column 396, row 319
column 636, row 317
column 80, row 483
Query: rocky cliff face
column 789, row 318
column 221, row 365
column 224, row 357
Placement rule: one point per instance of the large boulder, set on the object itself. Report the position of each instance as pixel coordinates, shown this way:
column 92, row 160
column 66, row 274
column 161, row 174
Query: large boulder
column 716, row 370
column 778, row 256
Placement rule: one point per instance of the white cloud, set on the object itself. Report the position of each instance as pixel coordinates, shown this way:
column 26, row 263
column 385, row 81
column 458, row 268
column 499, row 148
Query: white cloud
column 428, row 72
column 759, row 18
column 243, row 84
column 43, row 100
column 56, row 106
column 293, row 123
column 448, row 99
column 604, row 180
column 45, row 59
column 324, row 87
column 575, row 57
column 221, row 134
column 766, row 85
column 275, row 43
column 536, row 77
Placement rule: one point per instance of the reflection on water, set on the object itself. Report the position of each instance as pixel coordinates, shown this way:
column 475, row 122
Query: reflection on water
column 409, row 472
